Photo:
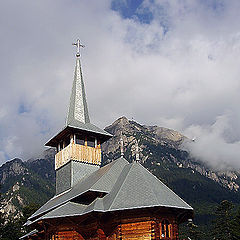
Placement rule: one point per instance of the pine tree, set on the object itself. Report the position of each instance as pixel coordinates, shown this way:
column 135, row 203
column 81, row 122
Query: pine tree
column 27, row 212
column 222, row 229
column 10, row 231
column 236, row 226
column 1, row 224
column 194, row 232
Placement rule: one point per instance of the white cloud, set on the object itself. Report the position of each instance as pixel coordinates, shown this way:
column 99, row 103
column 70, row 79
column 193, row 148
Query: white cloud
column 210, row 145
column 2, row 157
column 182, row 78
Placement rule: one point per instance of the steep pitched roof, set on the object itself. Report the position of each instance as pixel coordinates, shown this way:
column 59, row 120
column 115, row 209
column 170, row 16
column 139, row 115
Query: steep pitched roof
column 78, row 109
column 138, row 188
column 77, row 117
column 125, row 186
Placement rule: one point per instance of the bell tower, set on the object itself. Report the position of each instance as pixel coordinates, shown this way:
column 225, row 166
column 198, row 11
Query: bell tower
column 78, row 144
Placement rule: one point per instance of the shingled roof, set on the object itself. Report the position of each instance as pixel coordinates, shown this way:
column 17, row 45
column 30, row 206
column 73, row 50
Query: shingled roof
column 123, row 186
column 78, row 117
column 78, row 109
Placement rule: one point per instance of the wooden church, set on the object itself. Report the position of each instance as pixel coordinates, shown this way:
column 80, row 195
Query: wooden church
column 121, row 200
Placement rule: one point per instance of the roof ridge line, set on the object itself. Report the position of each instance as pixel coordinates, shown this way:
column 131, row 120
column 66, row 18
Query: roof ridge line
column 111, row 164
column 130, row 166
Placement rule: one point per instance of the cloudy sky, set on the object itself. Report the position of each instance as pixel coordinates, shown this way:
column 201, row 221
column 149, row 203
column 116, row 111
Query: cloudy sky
column 169, row 63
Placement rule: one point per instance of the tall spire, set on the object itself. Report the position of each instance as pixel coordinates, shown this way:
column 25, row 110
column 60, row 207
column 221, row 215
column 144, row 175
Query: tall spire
column 78, row 121
column 78, row 109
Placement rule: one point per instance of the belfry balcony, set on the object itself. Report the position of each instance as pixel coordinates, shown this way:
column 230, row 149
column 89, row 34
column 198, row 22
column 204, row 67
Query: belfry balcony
column 79, row 153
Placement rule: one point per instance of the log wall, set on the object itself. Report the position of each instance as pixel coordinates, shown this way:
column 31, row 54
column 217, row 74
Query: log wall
column 134, row 231
column 66, row 235
column 143, row 230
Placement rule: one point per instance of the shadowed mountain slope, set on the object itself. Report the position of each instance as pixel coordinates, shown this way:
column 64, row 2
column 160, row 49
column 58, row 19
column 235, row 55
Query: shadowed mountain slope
column 24, row 182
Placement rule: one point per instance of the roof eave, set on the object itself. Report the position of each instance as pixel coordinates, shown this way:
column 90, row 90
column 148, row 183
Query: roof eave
column 52, row 141
column 68, row 129
column 188, row 212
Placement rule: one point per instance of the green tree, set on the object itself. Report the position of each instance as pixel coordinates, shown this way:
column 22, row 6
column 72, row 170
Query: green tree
column 222, row 228
column 236, row 226
column 11, row 231
column 194, row 232
column 27, row 212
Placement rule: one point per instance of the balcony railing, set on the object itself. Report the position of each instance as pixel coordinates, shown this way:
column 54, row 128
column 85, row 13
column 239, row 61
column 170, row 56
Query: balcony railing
column 79, row 153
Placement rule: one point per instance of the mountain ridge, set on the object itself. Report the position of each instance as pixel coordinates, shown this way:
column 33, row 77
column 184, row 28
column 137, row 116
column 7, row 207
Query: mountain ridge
column 33, row 181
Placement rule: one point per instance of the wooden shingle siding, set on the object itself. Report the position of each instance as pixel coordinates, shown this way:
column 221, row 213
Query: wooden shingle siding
column 79, row 153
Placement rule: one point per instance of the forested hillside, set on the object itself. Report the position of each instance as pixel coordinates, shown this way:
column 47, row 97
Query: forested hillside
column 32, row 182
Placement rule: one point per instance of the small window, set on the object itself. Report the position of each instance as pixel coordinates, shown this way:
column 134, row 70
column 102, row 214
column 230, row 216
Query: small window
column 165, row 230
column 80, row 140
column 91, row 142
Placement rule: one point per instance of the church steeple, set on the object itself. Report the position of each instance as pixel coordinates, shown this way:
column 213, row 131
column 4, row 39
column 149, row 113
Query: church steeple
column 78, row 109
column 79, row 143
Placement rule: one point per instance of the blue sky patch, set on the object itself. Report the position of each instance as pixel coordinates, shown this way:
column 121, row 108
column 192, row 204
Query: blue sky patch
column 215, row 5
column 132, row 9
column 22, row 108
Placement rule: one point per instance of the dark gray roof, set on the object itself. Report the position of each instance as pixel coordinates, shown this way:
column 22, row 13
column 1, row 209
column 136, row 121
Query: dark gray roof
column 138, row 188
column 78, row 109
column 78, row 117
column 126, row 185
column 29, row 234
column 102, row 180
column 87, row 127
column 67, row 209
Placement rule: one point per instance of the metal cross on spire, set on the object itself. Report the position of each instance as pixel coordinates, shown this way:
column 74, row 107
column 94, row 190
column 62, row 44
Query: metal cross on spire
column 78, row 47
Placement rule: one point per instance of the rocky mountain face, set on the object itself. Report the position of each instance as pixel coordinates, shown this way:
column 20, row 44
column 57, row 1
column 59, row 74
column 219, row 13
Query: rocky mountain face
column 23, row 183
column 160, row 150
column 170, row 141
